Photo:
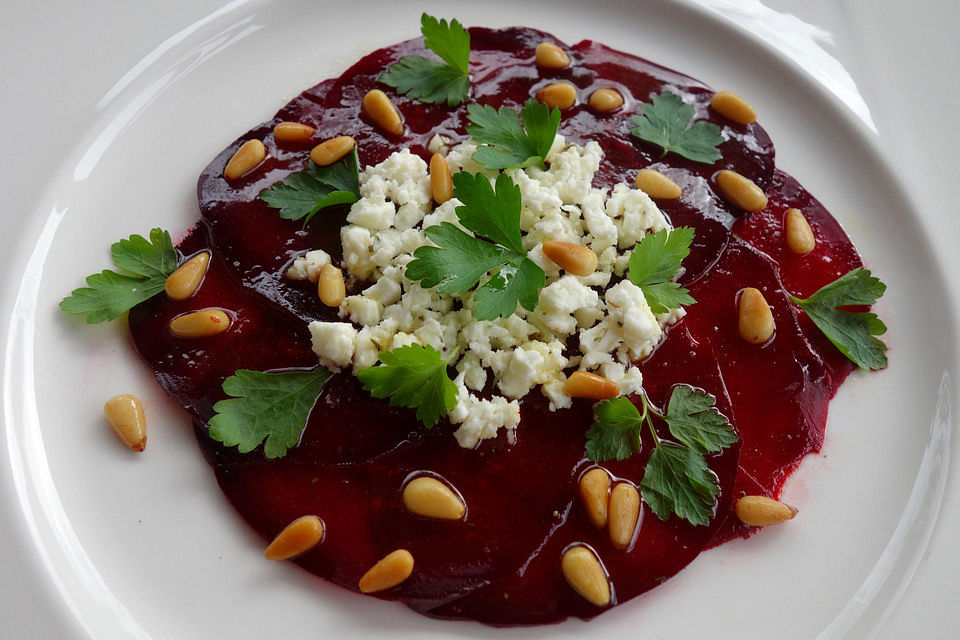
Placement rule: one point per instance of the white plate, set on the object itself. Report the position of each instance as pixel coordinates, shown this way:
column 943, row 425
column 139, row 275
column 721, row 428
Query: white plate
column 146, row 546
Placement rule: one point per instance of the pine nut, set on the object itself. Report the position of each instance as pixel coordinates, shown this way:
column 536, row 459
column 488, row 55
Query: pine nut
column 560, row 95
column 440, row 180
column 743, row 192
column 799, row 234
column 595, row 495
column 732, row 106
column 393, row 569
column 382, row 112
column 182, row 283
column 430, row 498
column 292, row 132
column 550, row 56
column 297, row 538
column 582, row 570
column 249, row 155
column 755, row 320
column 656, row 185
column 330, row 285
column 760, row 511
column 583, row 384
column 572, row 258
column 329, row 151
column 200, row 324
column 604, row 100
column 624, row 514
column 125, row 414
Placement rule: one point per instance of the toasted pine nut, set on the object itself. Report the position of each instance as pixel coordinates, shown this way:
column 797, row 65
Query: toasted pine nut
column 760, row 511
column 561, row 95
column 125, row 414
column 799, row 234
column 393, row 569
column 582, row 570
column 440, row 180
column 730, row 105
column 249, row 155
column 200, row 324
column 742, row 191
column 382, row 112
column 573, row 258
column 656, row 185
column 330, row 285
column 624, row 514
column 428, row 497
column 583, row 384
column 605, row 100
column 595, row 495
column 182, row 283
column 550, row 56
column 329, row 151
column 297, row 538
column 755, row 320
column 292, row 132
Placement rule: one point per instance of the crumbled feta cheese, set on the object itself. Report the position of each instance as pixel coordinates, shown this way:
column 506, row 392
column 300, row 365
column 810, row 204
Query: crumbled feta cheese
column 636, row 324
column 307, row 266
column 438, row 144
column 361, row 309
column 510, row 356
column 481, row 419
column 333, row 342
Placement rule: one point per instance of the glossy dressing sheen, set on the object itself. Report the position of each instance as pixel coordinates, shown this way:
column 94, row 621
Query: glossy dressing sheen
column 501, row 565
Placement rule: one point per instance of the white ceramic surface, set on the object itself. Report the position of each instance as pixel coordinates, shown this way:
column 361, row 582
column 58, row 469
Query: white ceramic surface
column 139, row 547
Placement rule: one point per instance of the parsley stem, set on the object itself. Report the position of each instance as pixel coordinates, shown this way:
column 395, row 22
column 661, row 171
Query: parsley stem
column 648, row 412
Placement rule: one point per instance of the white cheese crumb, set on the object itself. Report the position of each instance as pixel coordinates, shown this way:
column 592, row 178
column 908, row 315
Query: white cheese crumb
column 333, row 342
column 307, row 266
column 438, row 144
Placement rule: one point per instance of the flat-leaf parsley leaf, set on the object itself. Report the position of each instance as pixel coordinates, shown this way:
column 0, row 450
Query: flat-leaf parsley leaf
column 109, row 294
column 429, row 80
column 413, row 376
column 301, row 195
column 504, row 142
column 852, row 332
column 460, row 260
column 655, row 261
column 271, row 406
column 677, row 479
column 666, row 122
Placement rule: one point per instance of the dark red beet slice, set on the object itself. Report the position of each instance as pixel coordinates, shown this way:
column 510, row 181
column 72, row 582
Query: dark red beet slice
column 538, row 593
column 357, row 451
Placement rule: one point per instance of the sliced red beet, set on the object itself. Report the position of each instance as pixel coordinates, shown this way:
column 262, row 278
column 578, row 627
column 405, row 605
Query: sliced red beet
column 501, row 565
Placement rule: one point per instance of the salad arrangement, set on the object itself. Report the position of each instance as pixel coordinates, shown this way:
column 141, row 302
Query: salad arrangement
column 504, row 329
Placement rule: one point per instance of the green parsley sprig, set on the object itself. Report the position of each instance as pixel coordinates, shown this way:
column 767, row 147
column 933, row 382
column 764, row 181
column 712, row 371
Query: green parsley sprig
column 268, row 407
column 460, row 260
column 853, row 333
column 303, row 194
column 668, row 123
column 505, row 143
column 654, row 263
column 429, row 80
column 109, row 294
column 414, row 376
column 677, row 480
